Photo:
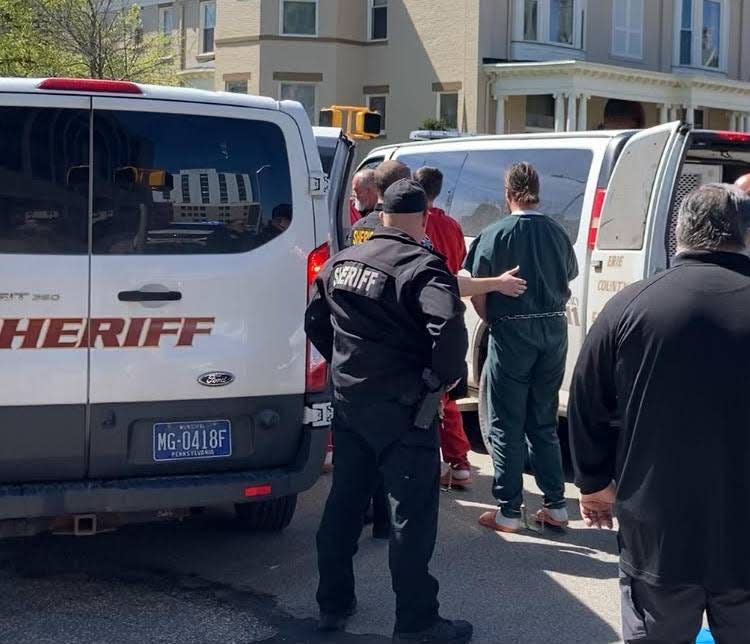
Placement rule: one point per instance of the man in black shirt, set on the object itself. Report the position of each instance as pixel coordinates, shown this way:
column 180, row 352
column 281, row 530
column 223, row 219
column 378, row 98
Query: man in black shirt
column 660, row 430
column 384, row 314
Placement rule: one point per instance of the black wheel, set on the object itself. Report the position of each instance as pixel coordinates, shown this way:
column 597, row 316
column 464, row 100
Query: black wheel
column 267, row 516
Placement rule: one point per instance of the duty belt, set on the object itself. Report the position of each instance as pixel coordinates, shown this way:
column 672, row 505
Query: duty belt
column 531, row 316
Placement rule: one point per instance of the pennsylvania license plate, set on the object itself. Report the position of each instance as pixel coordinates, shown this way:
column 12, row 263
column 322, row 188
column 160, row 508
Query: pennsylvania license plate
column 192, row 440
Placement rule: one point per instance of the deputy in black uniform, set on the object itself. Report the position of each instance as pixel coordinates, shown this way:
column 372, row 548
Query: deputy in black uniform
column 386, row 174
column 383, row 313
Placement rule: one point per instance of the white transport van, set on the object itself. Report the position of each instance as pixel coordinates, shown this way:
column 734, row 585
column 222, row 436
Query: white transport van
column 156, row 249
column 616, row 193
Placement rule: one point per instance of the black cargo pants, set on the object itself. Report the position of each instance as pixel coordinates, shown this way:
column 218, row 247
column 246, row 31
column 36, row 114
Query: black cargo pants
column 665, row 615
column 373, row 440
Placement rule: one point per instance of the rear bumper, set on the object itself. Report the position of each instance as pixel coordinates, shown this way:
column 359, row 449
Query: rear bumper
column 34, row 500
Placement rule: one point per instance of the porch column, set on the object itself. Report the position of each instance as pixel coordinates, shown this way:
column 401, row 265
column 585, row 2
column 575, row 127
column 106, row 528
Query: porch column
column 570, row 123
column 559, row 112
column 583, row 112
column 690, row 115
column 733, row 121
column 664, row 113
column 500, row 114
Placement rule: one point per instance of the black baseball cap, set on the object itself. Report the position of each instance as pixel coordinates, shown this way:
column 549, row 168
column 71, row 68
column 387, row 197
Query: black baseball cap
column 406, row 196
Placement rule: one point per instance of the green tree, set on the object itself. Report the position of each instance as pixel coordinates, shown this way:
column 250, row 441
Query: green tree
column 22, row 53
column 85, row 38
column 433, row 124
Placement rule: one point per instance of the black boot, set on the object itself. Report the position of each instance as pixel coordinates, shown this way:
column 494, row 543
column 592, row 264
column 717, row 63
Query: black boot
column 331, row 622
column 443, row 631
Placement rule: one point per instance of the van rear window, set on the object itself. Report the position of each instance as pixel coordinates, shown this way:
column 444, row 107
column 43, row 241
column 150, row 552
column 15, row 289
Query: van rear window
column 473, row 190
column 43, row 202
column 186, row 184
column 163, row 183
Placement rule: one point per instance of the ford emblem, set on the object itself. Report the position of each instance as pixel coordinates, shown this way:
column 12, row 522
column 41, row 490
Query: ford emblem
column 216, row 379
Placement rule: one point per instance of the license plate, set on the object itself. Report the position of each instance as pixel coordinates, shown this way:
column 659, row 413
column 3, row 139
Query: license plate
column 192, row 440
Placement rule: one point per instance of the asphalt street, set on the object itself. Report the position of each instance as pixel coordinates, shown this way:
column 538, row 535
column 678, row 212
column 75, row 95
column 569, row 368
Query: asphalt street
column 205, row 581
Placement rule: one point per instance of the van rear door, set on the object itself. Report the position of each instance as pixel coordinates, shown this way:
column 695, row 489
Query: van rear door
column 638, row 199
column 336, row 155
column 44, row 261
column 198, row 288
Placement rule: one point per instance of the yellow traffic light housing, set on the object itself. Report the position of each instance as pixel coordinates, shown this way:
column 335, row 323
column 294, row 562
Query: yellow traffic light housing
column 144, row 177
column 357, row 122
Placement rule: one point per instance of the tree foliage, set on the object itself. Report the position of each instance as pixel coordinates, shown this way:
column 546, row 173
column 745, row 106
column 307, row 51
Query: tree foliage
column 82, row 38
column 434, row 124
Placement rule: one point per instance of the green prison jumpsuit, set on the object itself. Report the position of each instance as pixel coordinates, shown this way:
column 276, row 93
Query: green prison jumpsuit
column 526, row 355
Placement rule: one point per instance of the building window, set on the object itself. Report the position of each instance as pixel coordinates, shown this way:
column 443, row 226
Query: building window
column 208, row 26
column 303, row 93
column 377, row 104
column 561, row 21
column 166, row 20
column 377, row 19
column 299, row 17
column 701, row 33
column 558, row 22
column 627, row 28
column 447, row 109
column 236, row 86
column 711, row 34
column 540, row 113
column 531, row 20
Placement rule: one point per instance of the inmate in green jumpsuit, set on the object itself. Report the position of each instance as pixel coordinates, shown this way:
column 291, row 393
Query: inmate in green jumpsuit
column 526, row 358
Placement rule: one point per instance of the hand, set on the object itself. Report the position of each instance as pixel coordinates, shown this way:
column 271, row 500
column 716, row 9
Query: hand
column 510, row 285
column 597, row 508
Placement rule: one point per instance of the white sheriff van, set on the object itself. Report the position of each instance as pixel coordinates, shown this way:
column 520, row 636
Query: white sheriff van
column 156, row 249
column 616, row 193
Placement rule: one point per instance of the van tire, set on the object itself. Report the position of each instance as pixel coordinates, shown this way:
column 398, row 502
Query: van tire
column 267, row 516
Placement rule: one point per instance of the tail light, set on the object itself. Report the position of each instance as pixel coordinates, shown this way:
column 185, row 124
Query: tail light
column 317, row 369
column 90, row 85
column 596, row 215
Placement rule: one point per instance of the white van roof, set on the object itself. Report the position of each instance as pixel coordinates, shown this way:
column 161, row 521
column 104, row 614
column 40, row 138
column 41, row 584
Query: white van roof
column 540, row 136
column 123, row 88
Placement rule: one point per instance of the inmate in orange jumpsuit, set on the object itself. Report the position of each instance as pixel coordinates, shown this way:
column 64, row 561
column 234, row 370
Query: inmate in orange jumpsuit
column 448, row 239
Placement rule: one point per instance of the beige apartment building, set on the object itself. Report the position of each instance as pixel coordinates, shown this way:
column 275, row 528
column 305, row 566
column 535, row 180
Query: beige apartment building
column 483, row 66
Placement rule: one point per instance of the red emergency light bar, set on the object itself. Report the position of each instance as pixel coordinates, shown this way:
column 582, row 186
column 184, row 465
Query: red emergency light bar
column 735, row 137
column 90, row 85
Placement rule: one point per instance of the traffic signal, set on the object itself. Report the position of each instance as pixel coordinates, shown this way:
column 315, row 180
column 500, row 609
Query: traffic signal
column 357, row 122
column 144, row 177
column 368, row 124
column 332, row 117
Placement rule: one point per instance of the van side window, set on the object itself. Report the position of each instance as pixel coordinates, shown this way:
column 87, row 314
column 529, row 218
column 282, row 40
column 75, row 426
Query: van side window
column 187, row 184
column 44, row 180
column 449, row 163
column 371, row 164
column 480, row 195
